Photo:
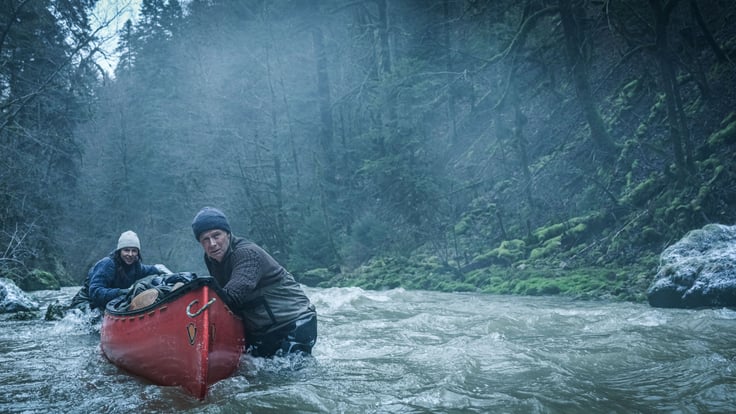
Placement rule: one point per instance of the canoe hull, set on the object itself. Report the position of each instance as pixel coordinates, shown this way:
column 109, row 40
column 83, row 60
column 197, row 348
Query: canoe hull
column 191, row 341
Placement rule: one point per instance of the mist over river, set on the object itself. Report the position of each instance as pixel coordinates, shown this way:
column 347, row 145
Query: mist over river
column 411, row 352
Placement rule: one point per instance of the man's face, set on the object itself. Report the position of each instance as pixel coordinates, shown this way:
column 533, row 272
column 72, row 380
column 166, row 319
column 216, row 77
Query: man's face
column 215, row 243
column 129, row 255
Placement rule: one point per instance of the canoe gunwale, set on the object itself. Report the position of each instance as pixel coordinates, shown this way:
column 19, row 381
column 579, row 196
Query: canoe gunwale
column 197, row 357
column 119, row 306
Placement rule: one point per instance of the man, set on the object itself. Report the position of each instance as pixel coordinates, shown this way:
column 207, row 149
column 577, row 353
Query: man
column 277, row 315
column 112, row 275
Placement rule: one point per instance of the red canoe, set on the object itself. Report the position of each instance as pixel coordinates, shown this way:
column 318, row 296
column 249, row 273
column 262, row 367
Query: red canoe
column 189, row 337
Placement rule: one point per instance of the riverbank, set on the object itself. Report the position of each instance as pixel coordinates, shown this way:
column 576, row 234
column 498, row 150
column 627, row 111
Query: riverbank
column 532, row 278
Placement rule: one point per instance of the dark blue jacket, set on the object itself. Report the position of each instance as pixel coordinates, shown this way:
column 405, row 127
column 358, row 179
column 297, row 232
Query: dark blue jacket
column 109, row 275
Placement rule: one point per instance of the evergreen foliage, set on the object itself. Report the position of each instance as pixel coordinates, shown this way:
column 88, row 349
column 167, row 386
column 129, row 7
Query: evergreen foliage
column 534, row 147
column 46, row 85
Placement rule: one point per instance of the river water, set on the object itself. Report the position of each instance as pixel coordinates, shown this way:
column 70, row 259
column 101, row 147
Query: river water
column 411, row 352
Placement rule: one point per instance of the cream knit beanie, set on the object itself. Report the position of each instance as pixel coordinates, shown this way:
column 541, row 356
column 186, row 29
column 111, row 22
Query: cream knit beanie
column 129, row 239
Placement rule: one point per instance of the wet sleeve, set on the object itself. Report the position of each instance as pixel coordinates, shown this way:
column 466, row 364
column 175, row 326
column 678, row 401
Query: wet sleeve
column 149, row 270
column 101, row 277
column 247, row 270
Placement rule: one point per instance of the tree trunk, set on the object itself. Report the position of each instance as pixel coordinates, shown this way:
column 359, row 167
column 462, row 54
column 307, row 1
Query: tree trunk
column 521, row 143
column 383, row 51
column 704, row 28
column 326, row 130
column 326, row 164
column 280, row 215
column 384, row 67
column 675, row 117
column 452, row 79
column 569, row 10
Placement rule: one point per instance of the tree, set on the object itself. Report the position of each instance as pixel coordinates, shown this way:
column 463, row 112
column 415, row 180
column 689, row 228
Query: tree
column 679, row 138
column 336, row 133
column 46, row 74
column 126, row 49
column 571, row 18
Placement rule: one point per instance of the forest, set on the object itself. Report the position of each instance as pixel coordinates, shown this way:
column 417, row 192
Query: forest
column 526, row 147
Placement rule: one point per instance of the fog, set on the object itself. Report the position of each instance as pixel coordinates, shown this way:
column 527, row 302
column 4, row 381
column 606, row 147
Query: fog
column 474, row 139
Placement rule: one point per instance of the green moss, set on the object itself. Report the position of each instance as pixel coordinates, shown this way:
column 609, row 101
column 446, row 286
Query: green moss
column 511, row 250
column 462, row 226
column 314, row 277
column 632, row 89
column 477, row 217
column 507, row 253
column 584, row 282
column 40, row 280
column 724, row 136
column 485, row 257
column 549, row 232
column 649, row 234
column 546, row 248
column 731, row 117
column 418, row 272
column 479, row 277
column 694, row 107
column 550, row 266
column 578, row 229
column 660, row 102
column 643, row 192
column 573, row 226
column 642, row 130
column 629, row 93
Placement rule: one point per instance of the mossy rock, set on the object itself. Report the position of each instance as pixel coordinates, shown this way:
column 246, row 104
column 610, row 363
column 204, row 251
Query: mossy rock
column 511, row 251
column 315, row 277
column 724, row 136
column 644, row 192
column 632, row 89
column 649, row 234
column 569, row 230
column 40, row 280
column 548, row 232
column 584, row 282
column 391, row 272
column 508, row 252
column 463, row 225
column 547, row 248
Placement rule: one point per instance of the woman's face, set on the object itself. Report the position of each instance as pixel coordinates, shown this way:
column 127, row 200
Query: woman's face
column 129, row 255
column 215, row 243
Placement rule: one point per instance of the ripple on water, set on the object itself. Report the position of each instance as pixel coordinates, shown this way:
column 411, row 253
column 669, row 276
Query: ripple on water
column 410, row 352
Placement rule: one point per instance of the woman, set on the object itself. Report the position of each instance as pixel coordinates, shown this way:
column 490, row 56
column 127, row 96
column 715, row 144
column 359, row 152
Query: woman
column 111, row 276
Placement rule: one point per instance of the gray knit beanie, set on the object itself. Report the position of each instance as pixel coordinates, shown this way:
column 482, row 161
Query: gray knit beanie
column 209, row 218
column 129, row 239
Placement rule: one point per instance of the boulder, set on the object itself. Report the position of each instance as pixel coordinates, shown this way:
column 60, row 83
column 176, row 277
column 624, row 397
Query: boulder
column 699, row 271
column 39, row 280
column 314, row 277
column 12, row 299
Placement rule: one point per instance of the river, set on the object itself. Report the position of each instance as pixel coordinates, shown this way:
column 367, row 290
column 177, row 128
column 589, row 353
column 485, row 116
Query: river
column 403, row 351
